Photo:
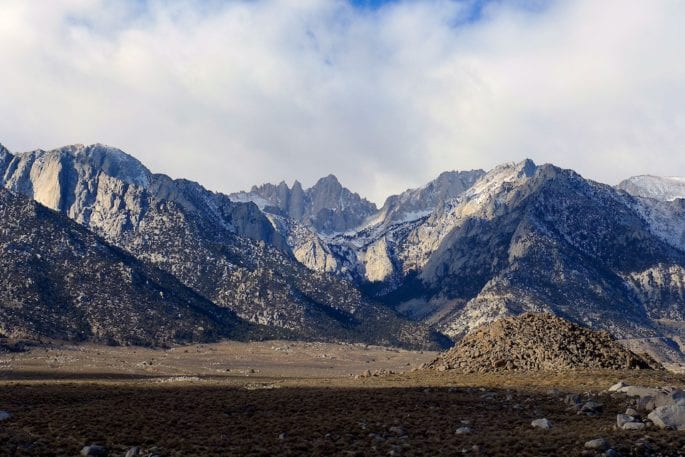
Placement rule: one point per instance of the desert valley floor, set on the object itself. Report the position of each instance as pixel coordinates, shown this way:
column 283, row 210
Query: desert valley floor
column 299, row 398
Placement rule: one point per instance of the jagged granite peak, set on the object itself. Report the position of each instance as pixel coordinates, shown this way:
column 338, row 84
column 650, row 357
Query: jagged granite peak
column 55, row 178
column 78, row 180
column 62, row 281
column 664, row 188
column 413, row 204
column 327, row 206
column 484, row 200
column 5, row 154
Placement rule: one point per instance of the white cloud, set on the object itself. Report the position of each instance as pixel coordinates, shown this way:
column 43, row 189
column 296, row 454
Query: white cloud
column 237, row 93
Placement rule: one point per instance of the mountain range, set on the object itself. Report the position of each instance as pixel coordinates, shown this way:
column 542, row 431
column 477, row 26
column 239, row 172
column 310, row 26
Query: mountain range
column 325, row 263
column 227, row 253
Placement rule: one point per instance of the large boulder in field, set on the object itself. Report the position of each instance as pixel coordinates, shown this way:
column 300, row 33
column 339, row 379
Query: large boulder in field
column 654, row 397
column 672, row 417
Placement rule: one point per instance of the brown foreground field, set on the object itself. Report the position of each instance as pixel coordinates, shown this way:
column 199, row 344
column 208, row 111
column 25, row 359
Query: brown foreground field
column 278, row 398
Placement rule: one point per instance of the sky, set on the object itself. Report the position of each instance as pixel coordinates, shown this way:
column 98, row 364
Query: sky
column 383, row 94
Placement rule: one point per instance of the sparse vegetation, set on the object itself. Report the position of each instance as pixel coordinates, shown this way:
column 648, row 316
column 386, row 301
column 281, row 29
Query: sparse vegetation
column 301, row 411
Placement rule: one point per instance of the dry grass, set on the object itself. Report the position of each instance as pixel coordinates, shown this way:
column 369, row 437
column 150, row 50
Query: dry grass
column 227, row 360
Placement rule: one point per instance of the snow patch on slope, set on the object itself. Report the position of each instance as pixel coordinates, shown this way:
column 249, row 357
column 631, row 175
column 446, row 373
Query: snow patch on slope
column 664, row 188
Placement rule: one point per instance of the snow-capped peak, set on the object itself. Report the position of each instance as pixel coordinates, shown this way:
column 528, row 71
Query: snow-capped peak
column 664, row 188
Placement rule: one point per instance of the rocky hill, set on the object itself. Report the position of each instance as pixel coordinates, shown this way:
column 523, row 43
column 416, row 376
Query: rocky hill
column 538, row 342
column 61, row 281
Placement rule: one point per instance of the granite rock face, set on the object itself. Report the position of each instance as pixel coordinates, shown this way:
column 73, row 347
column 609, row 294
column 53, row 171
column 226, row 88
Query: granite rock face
column 327, row 206
column 84, row 182
column 533, row 238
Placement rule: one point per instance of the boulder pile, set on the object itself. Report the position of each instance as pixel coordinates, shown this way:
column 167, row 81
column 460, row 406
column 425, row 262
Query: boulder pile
column 662, row 406
column 538, row 342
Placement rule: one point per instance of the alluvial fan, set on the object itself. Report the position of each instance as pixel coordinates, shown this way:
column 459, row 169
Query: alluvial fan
column 538, row 342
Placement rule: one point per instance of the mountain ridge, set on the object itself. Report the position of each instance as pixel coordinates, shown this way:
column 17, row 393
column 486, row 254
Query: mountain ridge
column 62, row 281
column 191, row 233
column 663, row 188
column 464, row 249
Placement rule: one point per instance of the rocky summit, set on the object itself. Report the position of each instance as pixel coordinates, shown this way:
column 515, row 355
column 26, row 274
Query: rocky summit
column 538, row 342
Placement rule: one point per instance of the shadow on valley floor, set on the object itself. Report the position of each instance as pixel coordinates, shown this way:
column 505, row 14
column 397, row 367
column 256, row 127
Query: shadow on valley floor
column 18, row 376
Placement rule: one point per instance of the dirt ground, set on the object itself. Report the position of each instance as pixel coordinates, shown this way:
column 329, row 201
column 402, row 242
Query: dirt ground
column 226, row 360
column 285, row 398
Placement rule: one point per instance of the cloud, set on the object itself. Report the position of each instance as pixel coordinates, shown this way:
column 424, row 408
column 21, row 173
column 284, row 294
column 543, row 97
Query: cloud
column 243, row 92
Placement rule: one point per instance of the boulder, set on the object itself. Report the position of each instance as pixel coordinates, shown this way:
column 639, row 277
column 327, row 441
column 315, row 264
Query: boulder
column 462, row 430
column 94, row 450
column 652, row 397
column 591, row 408
column 645, row 403
column 4, row 415
column 622, row 419
column 598, row 444
column 634, row 426
column 671, row 416
column 637, row 391
column 133, row 452
column 618, row 386
column 544, row 424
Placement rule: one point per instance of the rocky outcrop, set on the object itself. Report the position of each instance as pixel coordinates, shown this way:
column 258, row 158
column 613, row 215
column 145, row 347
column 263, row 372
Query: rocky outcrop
column 538, row 342
column 663, row 407
column 671, row 417
column 413, row 204
column 327, row 206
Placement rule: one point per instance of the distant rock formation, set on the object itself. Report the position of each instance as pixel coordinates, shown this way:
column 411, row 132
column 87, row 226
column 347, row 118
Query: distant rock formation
column 327, row 206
